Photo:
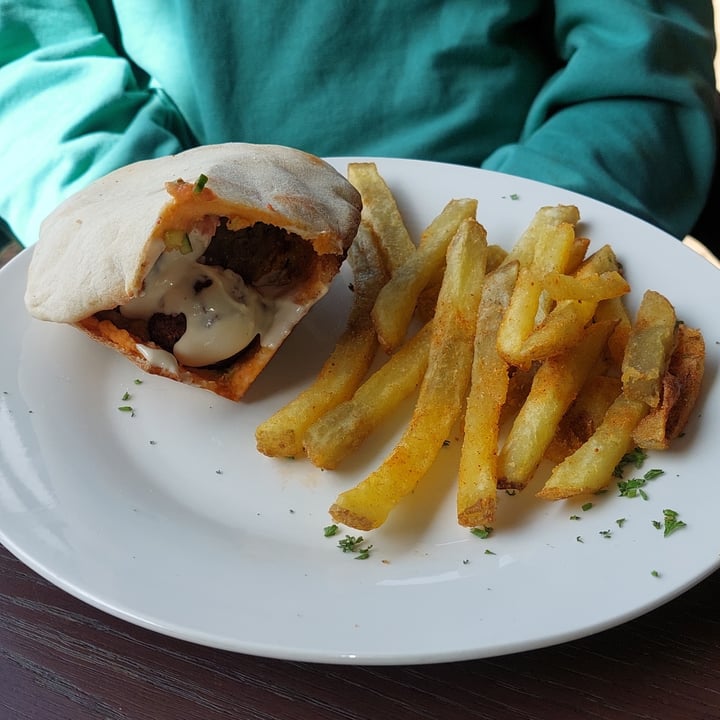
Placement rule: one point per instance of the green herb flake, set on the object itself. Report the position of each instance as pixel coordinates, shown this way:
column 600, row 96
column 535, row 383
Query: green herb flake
column 620, row 522
column 125, row 397
column 482, row 532
column 635, row 457
column 587, row 506
column 579, row 539
column 127, row 409
column 514, row 196
column 657, row 524
column 490, row 552
column 655, row 573
column 607, row 534
column 330, row 530
column 575, row 517
column 671, row 522
column 635, row 486
column 200, row 183
column 353, row 544
column 138, row 381
column 349, row 542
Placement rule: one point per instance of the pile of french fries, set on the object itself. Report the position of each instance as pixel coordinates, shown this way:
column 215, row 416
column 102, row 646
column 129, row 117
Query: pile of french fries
column 532, row 351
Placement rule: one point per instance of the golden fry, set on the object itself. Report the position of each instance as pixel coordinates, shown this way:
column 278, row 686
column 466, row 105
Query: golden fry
column 649, row 347
column 584, row 416
column 590, row 468
column 477, row 477
column 680, row 390
column 380, row 212
column 556, row 384
column 396, row 302
column 442, row 393
column 564, row 325
column 592, row 287
column 544, row 220
column 343, row 429
column 282, row 434
column 554, row 245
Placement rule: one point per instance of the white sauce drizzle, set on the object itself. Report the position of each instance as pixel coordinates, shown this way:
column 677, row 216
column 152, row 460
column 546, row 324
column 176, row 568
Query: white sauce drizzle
column 159, row 358
column 223, row 314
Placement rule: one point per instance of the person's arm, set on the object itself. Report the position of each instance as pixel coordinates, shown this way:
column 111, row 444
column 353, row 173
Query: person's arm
column 72, row 108
column 628, row 117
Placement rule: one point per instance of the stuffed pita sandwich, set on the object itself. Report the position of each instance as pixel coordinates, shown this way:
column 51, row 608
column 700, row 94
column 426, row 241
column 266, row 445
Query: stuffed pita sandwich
column 196, row 266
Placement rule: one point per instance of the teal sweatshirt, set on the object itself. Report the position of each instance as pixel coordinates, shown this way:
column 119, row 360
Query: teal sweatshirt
column 611, row 98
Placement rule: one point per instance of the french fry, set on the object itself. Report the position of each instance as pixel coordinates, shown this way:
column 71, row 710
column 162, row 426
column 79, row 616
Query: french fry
column 563, row 326
column 396, row 301
column 477, row 477
column 331, row 438
column 614, row 309
column 584, row 416
column 281, row 435
column 553, row 247
column 680, row 390
column 555, row 385
column 427, row 301
column 590, row 468
column 577, row 255
column 649, row 347
column 380, row 212
column 442, row 393
column 561, row 330
column 524, row 250
column 592, row 287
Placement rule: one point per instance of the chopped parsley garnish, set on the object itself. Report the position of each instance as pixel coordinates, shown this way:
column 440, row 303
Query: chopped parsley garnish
column 482, row 532
column 587, row 506
column 635, row 486
column 489, row 552
column 671, row 522
column 138, row 381
column 354, row 544
column 655, row 573
column 579, row 539
column 200, row 183
column 330, row 530
column 635, row 457
column 364, row 553
column 125, row 397
column 127, row 409
column 607, row 534
column 574, row 517
column 620, row 522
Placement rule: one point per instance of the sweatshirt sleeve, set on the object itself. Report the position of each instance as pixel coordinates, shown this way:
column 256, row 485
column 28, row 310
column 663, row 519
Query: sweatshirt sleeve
column 72, row 107
column 627, row 118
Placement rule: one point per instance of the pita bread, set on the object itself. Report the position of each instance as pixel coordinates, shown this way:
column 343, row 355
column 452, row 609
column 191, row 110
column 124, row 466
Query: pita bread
column 96, row 249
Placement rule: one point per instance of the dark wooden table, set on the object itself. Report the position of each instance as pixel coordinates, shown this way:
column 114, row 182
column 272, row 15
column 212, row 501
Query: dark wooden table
column 62, row 659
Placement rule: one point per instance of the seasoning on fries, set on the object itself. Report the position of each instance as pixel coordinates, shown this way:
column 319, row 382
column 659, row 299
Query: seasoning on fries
column 531, row 348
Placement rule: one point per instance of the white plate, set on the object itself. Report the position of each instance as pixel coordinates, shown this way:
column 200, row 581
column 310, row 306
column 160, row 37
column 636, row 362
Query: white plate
column 172, row 520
